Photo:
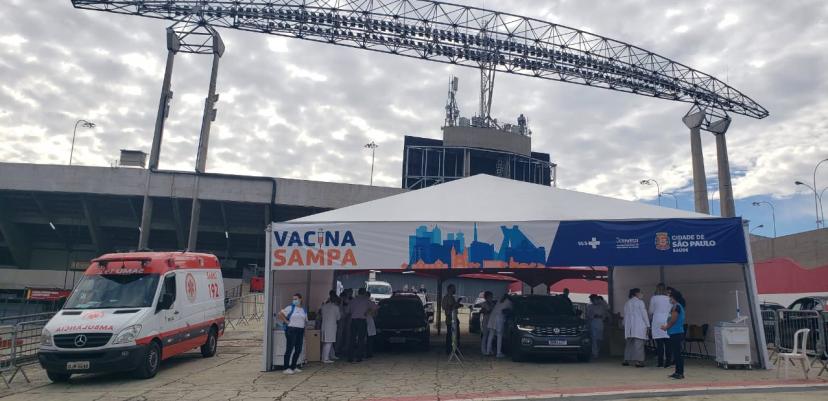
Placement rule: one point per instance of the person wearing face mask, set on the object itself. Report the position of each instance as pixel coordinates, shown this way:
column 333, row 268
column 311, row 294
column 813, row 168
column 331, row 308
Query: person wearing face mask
column 295, row 318
column 675, row 328
column 636, row 323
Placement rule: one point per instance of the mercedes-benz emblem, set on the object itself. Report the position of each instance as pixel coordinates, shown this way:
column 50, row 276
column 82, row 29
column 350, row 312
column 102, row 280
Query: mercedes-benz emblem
column 80, row 340
column 555, row 330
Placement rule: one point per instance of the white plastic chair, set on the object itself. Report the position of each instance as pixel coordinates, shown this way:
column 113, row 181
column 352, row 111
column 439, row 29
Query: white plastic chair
column 797, row 353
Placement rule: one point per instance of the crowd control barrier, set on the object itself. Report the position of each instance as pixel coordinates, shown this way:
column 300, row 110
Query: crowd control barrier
column 19, row 345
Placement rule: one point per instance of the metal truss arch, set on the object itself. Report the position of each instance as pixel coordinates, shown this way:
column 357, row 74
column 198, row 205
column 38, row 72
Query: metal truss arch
column 462, row 35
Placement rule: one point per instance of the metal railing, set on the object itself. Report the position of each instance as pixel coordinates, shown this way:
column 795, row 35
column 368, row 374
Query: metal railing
column 780, row 326
column 242, row 309
column 19, row 345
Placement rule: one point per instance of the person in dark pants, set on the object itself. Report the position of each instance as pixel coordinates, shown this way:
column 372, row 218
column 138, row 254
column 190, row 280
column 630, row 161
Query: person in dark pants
column 675, row 328
column 360, row 306
column 295, row 319
column 450, row 304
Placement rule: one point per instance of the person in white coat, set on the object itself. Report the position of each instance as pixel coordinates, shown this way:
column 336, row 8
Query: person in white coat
column 497, row 323
column 660, row 311
column 596, row 313
column 636, row 323
column 330, row 319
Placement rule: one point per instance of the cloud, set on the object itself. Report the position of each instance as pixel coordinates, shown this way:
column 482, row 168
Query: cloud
column 302, row 109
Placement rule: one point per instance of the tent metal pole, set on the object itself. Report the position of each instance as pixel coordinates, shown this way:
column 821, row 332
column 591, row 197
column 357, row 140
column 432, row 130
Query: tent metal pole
column 267, row 358
column 752, row 294
column 610, row 289
column 439, row 311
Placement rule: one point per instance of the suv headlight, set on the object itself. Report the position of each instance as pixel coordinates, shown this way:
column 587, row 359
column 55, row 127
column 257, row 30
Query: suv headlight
column 419, row 329
column 128, row 334
column 583, row 328
column 525, row 327
column 46, row 337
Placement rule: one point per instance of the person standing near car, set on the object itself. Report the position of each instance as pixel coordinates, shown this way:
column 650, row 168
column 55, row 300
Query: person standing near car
column 675, row 328
column 596, row 313
column 343, row 329
column 660, row 307
column 636, row 323
column 450, row 304
column 295, row 319
column 370, row 327
column 497, row 323
column 485, row 312
column 359, row 307
column 330, row 319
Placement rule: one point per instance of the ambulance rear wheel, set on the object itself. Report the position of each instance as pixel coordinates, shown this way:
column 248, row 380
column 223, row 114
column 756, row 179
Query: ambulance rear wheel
column 58, row 377
column 209, row 348
column 150, row 362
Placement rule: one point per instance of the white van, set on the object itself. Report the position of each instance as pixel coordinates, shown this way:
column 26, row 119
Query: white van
column 379, row 290
column 133, row 310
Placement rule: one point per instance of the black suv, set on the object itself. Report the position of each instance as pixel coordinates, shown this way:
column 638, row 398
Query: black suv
column 546, row 325
column 402, row 319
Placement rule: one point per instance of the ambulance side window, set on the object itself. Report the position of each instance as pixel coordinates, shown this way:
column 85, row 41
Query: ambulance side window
column 167, row 298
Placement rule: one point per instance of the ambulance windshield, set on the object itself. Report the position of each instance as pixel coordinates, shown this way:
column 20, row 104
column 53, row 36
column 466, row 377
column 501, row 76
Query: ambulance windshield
column 114, row 291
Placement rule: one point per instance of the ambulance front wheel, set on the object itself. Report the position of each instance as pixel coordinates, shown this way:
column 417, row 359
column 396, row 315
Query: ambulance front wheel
column 58, row 377
column 150, row 362
column 209, row 348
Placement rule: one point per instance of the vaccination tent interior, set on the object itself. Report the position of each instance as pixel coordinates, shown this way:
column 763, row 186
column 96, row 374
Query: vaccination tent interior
column 486, row 224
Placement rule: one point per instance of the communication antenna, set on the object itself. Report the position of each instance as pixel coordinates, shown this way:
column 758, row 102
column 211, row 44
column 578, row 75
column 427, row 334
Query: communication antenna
column 452, row 110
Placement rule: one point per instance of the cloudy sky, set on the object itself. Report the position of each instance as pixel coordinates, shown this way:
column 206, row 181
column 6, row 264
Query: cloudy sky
column 298, row 109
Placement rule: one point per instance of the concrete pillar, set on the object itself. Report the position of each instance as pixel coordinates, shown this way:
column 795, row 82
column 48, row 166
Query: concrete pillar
column 207, row 118
column 727, row 205
column 173, row 45
column 694, row 120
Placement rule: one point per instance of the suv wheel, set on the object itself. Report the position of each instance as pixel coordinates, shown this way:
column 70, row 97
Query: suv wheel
column 150, row 362
column 58, row 377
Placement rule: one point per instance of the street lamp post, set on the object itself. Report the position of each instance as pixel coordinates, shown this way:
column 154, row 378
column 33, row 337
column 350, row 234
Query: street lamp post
column 756, row 228
column 674, row 197
column 86, row 124
column 373, row 146
column 816, row 199
column 821, row 210
column 658, row 187
column 773, row 213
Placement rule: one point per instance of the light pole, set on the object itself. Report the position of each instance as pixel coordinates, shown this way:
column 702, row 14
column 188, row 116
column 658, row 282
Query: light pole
column 373, row 146
column 674, row 197
column 658, row 187
column 816, row 204
column 756, row 228
column 816, row 196
column 821, row 210
column 86, row 124
column 773, row 213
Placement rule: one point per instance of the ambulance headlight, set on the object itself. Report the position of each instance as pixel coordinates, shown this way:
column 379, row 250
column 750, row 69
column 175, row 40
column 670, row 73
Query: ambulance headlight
column 46, row 337
column 128, row 334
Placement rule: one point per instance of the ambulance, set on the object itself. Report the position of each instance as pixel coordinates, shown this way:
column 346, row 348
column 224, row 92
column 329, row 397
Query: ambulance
column 133, row 310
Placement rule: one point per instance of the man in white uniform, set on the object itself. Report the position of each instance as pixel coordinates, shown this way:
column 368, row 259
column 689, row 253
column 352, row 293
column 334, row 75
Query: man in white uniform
column 636, row 323
column 330, row 318
column 597, row 312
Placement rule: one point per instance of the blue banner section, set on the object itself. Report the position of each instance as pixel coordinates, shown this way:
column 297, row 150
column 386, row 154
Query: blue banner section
column 657, row 242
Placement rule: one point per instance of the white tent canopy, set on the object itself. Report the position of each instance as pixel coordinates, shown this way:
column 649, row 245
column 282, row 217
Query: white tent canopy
column 486, row 198
column 489, row 223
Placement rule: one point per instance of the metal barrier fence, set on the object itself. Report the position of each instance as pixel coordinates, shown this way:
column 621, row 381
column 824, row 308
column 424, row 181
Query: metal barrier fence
column 243, row 309
column 781, row 325
column 19, row 347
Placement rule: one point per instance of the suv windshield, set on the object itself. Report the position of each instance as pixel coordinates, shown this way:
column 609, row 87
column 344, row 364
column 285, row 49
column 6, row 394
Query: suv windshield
column 542, row 306
column 114, row 291
column 379, row 289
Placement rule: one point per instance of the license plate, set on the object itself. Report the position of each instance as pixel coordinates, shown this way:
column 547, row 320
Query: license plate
column 396, row 340
column 557, row 342
column 80, row 365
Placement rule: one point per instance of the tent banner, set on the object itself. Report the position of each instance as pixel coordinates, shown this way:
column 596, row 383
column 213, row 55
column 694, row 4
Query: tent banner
column 504, row 245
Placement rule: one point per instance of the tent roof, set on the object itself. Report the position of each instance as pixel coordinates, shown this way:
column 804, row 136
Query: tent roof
column 483, row 198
